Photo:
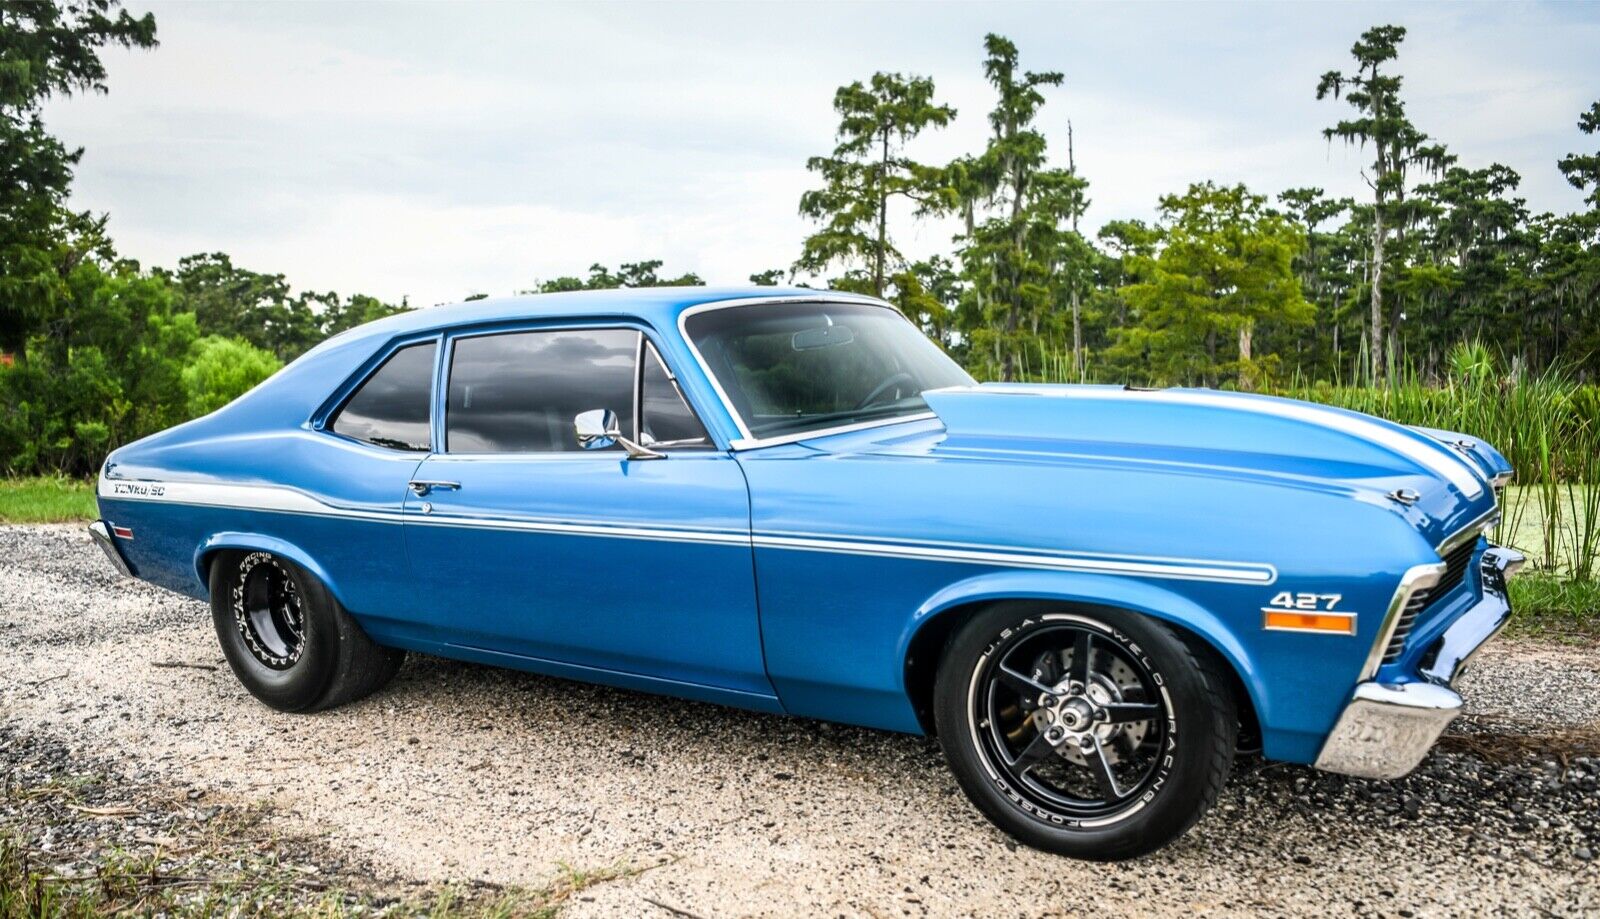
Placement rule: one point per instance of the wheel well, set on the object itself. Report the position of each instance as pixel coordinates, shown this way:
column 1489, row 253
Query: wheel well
column 204, row 563
column 927, row 648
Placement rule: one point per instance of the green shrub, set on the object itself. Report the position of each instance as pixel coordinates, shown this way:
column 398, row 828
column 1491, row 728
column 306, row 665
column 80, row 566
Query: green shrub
column 221, row 370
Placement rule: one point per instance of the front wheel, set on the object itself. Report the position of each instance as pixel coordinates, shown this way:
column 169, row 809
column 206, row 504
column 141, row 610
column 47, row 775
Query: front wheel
column 288, row 640
column 1096, row 734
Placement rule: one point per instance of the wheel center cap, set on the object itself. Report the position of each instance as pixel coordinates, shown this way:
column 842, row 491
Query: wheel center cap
column 1075, row 714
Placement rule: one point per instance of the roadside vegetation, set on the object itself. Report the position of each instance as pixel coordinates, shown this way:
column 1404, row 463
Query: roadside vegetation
column 46, row 499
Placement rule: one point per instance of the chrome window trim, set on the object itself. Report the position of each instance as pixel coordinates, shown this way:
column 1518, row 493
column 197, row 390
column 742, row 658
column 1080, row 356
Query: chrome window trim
column 647, row 348
column 751, row 443
column 746, row 440
column 567, row 324
column 321, row 421
column 1416, row 578
column 638, row 384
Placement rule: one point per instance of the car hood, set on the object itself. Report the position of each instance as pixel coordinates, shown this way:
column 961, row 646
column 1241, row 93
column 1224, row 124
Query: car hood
column 1233, row 434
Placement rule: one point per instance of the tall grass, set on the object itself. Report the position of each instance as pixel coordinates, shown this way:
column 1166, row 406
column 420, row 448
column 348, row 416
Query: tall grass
column 1549, row 429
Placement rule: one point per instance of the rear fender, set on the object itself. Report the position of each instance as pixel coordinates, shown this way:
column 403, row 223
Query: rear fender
column 256, row 542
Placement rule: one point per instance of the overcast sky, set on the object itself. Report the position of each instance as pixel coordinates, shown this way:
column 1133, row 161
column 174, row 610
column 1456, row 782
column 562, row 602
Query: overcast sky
column 437, row 150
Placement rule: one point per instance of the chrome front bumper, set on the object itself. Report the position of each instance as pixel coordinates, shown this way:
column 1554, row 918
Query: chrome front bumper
column 1386, row 729
column 102, row 537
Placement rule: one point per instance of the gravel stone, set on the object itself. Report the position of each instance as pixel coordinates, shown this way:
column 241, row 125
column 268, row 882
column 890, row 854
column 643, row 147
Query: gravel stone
column 470, row 774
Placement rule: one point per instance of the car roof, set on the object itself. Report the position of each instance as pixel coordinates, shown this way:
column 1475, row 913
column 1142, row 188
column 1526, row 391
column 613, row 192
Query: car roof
column 660, row 306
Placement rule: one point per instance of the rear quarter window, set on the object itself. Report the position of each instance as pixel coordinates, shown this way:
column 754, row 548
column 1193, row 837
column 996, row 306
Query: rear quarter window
column 392, row 407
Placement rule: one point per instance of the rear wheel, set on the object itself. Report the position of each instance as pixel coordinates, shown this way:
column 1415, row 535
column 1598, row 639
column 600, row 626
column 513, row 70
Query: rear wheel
column 1096, row 734
column 288, row 640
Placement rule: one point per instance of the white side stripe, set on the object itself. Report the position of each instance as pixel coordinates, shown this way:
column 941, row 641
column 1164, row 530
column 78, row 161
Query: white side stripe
column 278, row 499
column 1153, row 567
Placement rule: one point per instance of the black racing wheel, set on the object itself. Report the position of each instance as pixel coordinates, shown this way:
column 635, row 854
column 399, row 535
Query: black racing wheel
column 288, row 640
column 1096, row 734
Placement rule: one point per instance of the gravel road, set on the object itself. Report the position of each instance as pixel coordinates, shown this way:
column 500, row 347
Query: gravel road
column 459, row 772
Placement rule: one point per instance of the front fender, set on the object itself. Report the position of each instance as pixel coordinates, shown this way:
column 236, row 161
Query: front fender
column 256, row 542
column 1095, row 590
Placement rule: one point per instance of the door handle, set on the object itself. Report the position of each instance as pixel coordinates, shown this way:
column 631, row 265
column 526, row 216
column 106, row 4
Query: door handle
column 420, row 487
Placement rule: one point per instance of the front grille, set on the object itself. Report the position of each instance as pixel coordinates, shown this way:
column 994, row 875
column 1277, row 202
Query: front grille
column 1455, row 571
column 1455, row 567
column 1408, row 618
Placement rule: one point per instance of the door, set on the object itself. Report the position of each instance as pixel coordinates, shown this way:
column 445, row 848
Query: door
column 527, row 545
column 356, row 471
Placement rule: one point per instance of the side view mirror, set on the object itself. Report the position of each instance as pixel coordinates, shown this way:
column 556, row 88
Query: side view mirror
column 598, row 429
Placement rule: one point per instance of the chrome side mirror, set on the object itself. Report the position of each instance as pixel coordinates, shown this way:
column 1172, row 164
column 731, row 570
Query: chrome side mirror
column 598, row 429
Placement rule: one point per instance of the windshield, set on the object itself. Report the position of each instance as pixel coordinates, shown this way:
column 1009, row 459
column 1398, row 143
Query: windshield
column 795, row 367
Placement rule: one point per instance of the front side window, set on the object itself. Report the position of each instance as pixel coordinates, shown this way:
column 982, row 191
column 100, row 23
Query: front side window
column 393, row 407
column 795, row 367
column 519, row 392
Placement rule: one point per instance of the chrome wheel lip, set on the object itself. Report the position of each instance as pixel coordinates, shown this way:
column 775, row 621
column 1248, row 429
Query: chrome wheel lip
column 1048, row 805
column 268, row 611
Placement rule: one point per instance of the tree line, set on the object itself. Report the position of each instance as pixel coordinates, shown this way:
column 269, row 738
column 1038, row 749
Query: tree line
column 1228, row 286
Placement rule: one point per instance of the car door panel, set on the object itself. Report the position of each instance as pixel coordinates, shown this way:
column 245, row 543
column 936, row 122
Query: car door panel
column 584, row 557
column 641, row 567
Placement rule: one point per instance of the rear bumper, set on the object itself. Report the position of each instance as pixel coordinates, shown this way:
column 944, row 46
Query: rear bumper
column 1386, row 729
column 101, row 533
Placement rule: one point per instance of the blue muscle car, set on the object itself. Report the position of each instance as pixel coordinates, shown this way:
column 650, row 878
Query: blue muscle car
column 792, row 501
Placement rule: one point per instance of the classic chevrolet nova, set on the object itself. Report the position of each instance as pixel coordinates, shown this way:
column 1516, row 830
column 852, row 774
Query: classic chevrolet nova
column 793, row 502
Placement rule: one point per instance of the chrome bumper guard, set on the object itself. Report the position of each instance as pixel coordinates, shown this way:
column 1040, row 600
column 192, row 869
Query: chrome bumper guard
column 1386, row 729
column 102, row 536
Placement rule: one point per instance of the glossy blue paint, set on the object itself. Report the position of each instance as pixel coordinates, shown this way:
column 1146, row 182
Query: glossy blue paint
column 796, row 576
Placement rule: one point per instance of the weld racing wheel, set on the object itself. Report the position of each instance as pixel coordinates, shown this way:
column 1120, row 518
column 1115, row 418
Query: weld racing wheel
column 288, row 640
column 1096, row 734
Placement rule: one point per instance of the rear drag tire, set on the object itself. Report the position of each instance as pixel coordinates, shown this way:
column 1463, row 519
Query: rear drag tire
column 288, row 640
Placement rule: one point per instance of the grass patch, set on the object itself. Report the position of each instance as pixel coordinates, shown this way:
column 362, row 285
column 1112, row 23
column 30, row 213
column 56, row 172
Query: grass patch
column 251, row 884
column 46, row 500
column 1544, row 606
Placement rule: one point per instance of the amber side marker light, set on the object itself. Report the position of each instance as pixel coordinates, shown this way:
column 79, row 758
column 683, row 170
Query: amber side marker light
column 1322, row 623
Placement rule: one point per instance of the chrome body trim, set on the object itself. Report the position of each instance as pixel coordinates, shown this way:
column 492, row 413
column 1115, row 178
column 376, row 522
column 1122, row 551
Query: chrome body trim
column 1453, row 650
column 1386, row 729
column 1182, row 569
column 1469, row 532
column 421, row 487
column 1416, row 578
column 102, row 537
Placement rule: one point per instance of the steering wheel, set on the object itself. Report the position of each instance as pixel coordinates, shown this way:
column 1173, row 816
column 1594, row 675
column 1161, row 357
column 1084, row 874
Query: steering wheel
column 881, row 388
